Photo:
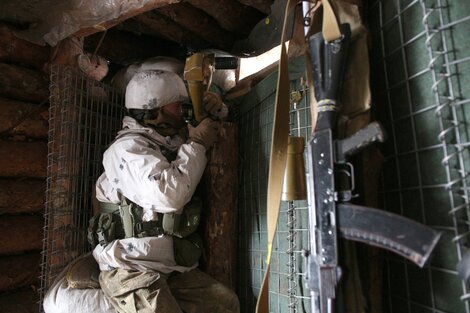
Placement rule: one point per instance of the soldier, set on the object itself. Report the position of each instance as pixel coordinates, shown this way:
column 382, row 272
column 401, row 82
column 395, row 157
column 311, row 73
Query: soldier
column 146, row 245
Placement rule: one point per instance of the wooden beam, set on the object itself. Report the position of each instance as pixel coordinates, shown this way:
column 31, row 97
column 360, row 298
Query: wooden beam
column 123, row 47
column 24, row 231
column 198, row 22
column 23, row 119
column 220, row 183
column 151, row 5
column 16, row 50
column 156, row 24
column 23, row 270
column 20, row 83
column 263, row 6
column 22, row 196
column 230, row 14
column 23, row 159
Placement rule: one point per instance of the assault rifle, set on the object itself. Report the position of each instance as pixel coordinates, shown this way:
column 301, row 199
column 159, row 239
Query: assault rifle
column 330, row 213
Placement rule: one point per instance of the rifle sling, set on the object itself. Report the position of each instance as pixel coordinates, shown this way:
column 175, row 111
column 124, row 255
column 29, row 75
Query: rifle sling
column 280, row 134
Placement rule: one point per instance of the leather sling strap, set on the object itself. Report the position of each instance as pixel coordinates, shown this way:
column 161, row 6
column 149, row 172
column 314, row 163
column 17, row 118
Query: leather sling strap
column 330, row 26
column 280, row 134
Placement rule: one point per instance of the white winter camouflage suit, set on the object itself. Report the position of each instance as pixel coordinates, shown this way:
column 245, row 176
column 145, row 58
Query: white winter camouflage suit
column 140, row 274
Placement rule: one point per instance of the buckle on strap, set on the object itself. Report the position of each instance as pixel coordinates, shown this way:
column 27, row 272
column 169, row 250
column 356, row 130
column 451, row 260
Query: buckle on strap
column 102, row 237
column 139, row 228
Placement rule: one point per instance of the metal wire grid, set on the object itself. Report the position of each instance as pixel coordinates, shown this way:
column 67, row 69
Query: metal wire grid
column 286, row 286
column 421, row 97
column 83, row 119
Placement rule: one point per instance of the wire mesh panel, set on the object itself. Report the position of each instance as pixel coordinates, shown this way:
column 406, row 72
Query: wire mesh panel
column 83, row 119
column 421, row 88
column 286, row 285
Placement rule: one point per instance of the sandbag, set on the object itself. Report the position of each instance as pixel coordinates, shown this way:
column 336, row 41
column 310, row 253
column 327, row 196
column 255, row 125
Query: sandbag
column 60, row 298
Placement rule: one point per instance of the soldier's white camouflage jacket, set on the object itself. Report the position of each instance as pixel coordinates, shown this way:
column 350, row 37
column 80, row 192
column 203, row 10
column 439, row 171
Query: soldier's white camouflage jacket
column 136, row 169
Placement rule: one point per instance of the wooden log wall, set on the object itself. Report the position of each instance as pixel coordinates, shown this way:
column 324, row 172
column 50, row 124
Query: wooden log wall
column 122, row 47
column 24, row 93
column 220, row 215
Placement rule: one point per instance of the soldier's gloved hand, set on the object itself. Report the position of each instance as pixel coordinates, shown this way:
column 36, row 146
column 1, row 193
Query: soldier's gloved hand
column 205, row 133
column 214, row 105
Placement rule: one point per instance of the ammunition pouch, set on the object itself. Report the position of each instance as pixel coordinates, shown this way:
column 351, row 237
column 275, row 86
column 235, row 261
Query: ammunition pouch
column 104, row 228
column 184, row 224
column 119, row 221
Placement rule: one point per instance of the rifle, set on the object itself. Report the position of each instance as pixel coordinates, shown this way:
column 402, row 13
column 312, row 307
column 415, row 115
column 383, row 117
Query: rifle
column 330, row 213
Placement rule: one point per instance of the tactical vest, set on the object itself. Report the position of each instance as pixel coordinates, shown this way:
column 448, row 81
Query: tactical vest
column 124, row 220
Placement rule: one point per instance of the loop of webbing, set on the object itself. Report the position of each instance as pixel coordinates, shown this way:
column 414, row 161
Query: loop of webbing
column 277, row 162
column 127, row 219
column 106, row 207
column 280, row 134
column 125, row 211
column 330, row 25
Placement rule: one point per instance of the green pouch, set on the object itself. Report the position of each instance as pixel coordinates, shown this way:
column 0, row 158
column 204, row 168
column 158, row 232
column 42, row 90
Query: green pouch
column 184, row 224
column 187, row 250
column 104, row 228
